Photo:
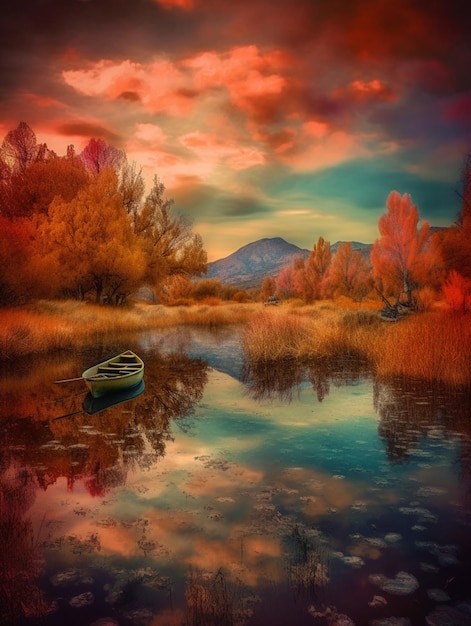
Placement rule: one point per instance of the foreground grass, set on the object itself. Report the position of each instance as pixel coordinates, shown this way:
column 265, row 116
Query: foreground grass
column 433, row 346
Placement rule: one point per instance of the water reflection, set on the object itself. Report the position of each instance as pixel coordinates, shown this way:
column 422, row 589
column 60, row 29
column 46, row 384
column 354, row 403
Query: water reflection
column 40, row 447
column 310, row 495
column 280, row 380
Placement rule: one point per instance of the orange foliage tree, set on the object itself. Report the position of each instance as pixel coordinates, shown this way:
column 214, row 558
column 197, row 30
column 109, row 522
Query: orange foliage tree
column 316, row 269
column 403, row 260
column 169, row 245
column 349, row 273
column 89, row 245
column 33, row 191
column 89, row 229
column 15, row 276
column 455, row 242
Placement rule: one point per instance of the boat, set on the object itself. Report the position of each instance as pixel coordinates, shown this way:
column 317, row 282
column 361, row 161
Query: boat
column 124, row 371
column 92, row 405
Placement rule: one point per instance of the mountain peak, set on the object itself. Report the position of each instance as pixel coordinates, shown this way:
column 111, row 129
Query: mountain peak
column 248, row 266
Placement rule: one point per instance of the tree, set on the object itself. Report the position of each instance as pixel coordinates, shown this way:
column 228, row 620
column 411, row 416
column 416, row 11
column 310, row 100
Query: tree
column 457, row 292
column 99, row 155
column 33, row 191
column 89, row 244
column 15, row 275
column 316, row 269
column 349, row 273
column 131, row 187
column 268, row 288
column 402, row 258
column 20, row 149
column 169, row 245
column 455, row 242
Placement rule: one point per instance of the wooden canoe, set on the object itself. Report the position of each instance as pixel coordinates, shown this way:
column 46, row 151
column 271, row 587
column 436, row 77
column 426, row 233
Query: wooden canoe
column 121, row 372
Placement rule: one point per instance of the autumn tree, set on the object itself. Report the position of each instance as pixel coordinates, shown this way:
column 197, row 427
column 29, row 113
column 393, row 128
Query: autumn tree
column 88, row 243
column 349, row 273
column 402, row 258
column 455, row 242
column 169, row 245
column 15, row 275
column 268, row 288
column 290, row 282
column 99, row 155
column 33, row 191
column 316, row 269
column 131, row 186
column 20, row 149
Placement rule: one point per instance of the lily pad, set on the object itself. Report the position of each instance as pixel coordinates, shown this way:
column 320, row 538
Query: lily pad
column 402, row 585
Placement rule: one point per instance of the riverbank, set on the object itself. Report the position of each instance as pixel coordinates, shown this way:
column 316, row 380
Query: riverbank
column 429, row 346
column 60, row 325
column 433, row 345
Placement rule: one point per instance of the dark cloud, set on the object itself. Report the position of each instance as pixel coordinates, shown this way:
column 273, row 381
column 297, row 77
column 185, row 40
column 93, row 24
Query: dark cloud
column 213, row 204
column 88, row 130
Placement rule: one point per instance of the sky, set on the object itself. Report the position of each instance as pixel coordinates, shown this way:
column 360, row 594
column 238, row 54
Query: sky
column 263, row 118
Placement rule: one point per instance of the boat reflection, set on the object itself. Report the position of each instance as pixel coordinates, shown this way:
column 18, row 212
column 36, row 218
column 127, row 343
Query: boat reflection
column 93, row 405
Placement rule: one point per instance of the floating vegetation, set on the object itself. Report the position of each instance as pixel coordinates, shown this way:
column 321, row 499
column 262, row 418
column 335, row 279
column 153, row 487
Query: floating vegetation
column 403, row 584
column 84, row 599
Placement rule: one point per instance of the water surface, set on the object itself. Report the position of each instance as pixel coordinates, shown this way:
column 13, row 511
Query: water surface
column 227, row 495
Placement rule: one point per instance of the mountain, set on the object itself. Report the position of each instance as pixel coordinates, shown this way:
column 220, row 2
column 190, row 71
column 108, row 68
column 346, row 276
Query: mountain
column 248, row 266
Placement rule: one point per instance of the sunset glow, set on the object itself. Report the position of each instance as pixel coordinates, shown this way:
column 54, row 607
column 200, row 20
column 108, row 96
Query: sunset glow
column 262, row 119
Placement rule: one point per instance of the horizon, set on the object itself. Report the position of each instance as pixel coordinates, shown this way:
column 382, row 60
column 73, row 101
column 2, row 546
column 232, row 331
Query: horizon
column 303, row 126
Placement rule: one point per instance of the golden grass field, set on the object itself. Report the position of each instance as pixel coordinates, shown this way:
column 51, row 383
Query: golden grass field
column 431, row 345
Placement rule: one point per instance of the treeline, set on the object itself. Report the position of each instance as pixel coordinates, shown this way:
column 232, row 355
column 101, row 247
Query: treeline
column 81, row 226
column 410, row 264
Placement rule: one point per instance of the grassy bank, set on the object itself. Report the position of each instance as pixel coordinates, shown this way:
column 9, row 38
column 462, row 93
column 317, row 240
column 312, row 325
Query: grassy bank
column 432, row 346
column 49, row 326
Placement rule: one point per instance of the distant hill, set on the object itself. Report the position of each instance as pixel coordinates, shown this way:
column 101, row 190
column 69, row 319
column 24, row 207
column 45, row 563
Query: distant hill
column 248, row 266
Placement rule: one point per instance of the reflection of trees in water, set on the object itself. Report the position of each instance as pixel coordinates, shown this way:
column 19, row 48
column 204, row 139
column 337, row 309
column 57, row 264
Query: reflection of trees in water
column 19, row 562
column 411, row 409
column 212, row 599
column 99, row 449
column 307, row 559
column 279, row 380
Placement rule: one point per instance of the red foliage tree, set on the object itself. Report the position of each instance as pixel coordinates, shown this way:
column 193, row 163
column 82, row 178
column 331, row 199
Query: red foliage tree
column 402, row 257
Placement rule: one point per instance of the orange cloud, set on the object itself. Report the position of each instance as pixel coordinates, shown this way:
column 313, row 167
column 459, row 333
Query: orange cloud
column 159, row 86
column 179, row 4
column 365, row 91
column 214, row 149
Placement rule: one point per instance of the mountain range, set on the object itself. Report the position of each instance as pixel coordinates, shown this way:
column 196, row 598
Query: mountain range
column 248, row 266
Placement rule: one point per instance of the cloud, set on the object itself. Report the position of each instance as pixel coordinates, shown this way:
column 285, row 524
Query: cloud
column 214, row 149
column 176, row 4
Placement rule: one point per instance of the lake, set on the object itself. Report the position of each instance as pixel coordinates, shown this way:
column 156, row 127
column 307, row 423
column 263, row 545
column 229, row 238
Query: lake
column 227, row 495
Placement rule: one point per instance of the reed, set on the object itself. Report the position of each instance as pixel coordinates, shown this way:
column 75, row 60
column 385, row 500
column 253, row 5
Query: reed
column 52, row 325
column 431, row 346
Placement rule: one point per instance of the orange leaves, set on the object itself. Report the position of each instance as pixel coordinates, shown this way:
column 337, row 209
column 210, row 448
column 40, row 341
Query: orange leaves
column 402, row 256
column 457, row 292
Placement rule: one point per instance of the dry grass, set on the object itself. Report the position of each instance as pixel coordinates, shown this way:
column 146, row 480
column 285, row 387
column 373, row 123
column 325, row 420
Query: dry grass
column 431, row 346
column 52, row 325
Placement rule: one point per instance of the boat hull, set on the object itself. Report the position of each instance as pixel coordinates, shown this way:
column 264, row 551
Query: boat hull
column 124, row 371
column 92, row 405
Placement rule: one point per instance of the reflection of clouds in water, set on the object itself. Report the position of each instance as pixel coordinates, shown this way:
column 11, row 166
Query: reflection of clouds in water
column 271, row 491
